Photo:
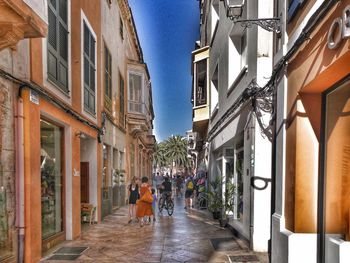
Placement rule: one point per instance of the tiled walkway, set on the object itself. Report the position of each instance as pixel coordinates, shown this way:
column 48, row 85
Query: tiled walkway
column 184, row 237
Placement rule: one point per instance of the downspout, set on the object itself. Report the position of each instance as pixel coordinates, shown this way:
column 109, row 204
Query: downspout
column 20, row 176
column 252, row 174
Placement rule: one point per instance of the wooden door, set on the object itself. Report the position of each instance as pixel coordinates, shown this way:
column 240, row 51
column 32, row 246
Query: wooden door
column 84, row 182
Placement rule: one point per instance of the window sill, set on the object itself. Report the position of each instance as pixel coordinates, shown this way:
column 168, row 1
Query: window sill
column 65, row 92
column 238, row 79
column 200, row 107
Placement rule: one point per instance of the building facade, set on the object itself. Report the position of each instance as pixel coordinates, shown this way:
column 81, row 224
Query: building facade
column 235, row 140
column 65, row 129
column 16, row 30
column 311, row 218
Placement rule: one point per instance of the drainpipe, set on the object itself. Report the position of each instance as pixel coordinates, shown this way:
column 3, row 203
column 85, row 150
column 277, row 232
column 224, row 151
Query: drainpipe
column 20, row 176
column 252, row 174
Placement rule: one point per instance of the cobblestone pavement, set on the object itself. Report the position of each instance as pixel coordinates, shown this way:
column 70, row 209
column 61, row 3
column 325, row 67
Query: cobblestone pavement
column 184, row 237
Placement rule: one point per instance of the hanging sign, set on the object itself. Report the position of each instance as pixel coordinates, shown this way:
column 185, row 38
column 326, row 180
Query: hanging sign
column 339, row 30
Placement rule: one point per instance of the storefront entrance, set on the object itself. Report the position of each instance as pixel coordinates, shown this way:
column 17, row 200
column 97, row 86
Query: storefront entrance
column 52, row 181
column 334, row 203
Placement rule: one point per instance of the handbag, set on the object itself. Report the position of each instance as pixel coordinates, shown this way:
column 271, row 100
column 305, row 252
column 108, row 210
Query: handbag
column 147, row 197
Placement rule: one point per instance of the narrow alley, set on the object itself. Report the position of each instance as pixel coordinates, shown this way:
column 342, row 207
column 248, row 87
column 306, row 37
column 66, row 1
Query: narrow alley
column 184, row 237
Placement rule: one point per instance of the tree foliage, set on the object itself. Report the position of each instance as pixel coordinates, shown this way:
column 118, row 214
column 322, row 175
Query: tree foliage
column 172, row 151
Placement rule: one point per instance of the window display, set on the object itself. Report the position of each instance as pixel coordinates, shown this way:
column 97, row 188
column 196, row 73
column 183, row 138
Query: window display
column 4, row 238
column 51, row 179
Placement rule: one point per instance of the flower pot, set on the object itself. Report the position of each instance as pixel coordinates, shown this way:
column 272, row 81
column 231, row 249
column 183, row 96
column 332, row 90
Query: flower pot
column 216, row 214
column 223, row 222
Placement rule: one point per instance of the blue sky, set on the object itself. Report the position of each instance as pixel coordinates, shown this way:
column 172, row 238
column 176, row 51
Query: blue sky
column 167, row 30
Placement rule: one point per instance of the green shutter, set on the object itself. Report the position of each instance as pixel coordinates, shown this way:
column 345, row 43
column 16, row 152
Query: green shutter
column 57, row 47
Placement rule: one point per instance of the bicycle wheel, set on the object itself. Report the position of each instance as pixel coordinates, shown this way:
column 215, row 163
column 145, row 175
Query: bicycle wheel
column 160, row 204
column 170, row 207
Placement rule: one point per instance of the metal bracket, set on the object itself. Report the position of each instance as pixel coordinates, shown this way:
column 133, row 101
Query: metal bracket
column 269, row 24
column 255, row 178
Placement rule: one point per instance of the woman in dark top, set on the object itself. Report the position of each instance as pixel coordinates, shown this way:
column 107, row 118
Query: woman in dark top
column 133, row 196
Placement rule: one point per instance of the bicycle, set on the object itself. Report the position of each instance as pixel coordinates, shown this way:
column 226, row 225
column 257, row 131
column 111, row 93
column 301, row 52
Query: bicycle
column 168, row 204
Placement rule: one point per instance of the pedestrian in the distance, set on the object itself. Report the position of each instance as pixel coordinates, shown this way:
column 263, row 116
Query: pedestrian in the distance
column 133, row 196
column 144, row 204
column 154, row 204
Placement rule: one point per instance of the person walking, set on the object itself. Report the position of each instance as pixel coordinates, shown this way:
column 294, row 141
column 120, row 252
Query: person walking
column 144, row 204
column 159, row 181
column 154, row 204
column 133, row 196
column 189, row 192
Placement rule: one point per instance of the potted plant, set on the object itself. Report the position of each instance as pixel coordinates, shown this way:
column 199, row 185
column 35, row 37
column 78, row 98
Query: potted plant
column 229, row 203
column 215, row 198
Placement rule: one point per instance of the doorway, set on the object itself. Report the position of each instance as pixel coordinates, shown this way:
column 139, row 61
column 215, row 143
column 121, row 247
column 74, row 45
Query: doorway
column 84, row 182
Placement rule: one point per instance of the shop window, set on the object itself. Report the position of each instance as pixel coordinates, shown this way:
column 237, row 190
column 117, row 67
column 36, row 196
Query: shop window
column 336, row 166
column 57, row 48
column 51, row 179
column 89, row 70
column 238, row 180
column 5, row 246
column 105, row 172
column 135, row 92
column 237, row 62
column 201, row 83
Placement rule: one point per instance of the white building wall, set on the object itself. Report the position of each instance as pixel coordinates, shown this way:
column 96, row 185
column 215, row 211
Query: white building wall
column 257, row 149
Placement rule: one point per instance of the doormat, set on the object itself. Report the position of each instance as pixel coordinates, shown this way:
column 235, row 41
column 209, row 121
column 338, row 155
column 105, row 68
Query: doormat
column 63, row 257
column 225, row 244
column 243, row 258
column 70, row 250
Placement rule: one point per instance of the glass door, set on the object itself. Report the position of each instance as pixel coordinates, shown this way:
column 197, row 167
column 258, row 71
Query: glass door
column 334, row 224
column 51, row 179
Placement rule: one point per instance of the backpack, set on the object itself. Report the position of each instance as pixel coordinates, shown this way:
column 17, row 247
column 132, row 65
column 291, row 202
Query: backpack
column 190, row 185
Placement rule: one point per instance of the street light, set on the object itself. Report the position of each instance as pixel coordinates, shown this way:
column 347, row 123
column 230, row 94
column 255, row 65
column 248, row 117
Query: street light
column 234, row 10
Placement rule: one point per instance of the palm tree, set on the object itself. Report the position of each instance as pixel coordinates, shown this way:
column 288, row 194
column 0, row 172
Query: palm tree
column 160, row 157
column 176, row 150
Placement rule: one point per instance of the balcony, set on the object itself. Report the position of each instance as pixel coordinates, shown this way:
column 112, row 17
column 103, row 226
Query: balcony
column 138, row 118
column 19, row 20
column 200, row 91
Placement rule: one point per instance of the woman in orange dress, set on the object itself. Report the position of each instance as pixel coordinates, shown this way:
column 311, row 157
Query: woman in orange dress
column 143, row 208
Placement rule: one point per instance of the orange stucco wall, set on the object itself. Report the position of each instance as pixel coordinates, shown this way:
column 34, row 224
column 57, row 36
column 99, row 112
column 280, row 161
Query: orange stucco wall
column 32, row 115
column 312, row 70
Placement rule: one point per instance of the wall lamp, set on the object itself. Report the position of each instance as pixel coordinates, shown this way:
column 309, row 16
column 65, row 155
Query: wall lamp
column 234, row 10
column 81, row 135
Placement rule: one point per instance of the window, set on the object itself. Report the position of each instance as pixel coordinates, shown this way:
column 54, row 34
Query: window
column 121, row 28
column 335, row 169
column 201, row 83
column 238, row 181
column 51, row 179
column 89, row 71
column 108, row 80
column 237, row 59
column 135, row 93
column 121, row 101
column 57, row 47
column 293, row 8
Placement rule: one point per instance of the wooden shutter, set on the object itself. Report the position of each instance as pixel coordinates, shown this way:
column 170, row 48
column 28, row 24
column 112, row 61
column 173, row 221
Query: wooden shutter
column 57, row 43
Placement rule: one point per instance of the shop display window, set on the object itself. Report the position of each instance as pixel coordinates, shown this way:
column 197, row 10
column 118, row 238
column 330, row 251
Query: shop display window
column 51, row 179
column 5, row 248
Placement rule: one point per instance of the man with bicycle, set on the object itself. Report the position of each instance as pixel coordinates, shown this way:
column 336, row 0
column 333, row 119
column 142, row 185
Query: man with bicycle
column 167, row 190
